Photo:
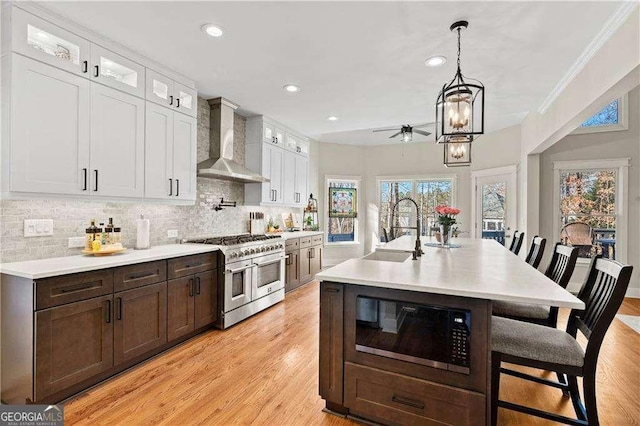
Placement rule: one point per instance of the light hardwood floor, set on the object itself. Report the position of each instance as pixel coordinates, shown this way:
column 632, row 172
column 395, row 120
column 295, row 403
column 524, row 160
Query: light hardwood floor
column 265, row 371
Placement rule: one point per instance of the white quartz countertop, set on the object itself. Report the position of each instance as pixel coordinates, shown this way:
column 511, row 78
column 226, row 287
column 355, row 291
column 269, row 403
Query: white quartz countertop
column 42, row 268
column 299, row 234
column 481, row 269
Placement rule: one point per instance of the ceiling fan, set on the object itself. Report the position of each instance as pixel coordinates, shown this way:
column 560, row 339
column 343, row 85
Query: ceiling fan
column 407, row 131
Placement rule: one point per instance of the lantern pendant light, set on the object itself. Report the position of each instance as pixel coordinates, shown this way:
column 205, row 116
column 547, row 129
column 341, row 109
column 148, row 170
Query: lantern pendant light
column 457, row 154
column 460, row 105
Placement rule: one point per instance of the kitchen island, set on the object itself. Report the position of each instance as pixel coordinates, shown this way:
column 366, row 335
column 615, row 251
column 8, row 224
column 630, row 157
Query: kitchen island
column 409, row 341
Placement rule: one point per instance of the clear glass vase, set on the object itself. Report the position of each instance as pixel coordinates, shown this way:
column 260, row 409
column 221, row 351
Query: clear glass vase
column 446, row 232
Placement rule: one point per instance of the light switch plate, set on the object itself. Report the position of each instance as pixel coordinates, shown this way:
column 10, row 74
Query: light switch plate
column 75, row 242
column 38, row 227
column 172, row 233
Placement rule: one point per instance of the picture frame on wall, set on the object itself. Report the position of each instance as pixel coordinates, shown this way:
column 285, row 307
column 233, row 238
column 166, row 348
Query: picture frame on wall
column 343, row 202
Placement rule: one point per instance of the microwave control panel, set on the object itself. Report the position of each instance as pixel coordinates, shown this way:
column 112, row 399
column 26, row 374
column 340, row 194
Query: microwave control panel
column 460, row 341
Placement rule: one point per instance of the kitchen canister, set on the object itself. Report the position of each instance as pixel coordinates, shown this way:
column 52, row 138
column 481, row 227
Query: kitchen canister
column 142, row 233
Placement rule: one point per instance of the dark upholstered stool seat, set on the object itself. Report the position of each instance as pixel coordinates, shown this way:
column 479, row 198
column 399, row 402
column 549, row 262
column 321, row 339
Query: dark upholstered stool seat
column 512, row 309
column 533, row 341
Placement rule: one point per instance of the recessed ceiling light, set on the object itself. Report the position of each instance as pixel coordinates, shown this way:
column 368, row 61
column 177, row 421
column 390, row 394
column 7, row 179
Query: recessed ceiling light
column 435, row 61
column 332, row 118
column 213, row 30
column 291, row 88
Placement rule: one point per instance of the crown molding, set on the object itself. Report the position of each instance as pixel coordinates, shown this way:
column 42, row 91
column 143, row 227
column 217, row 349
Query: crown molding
column 605, row 33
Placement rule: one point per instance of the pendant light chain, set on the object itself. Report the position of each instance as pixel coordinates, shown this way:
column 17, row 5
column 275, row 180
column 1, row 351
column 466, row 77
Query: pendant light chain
column 459, row 30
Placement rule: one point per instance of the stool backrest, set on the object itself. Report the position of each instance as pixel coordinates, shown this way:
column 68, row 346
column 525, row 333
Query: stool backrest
column 602, row 293
column 534, row 257
column 562, row 264
column 516, row 242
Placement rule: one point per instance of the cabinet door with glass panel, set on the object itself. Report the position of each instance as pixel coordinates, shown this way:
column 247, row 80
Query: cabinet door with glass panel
column 159, row 89
column 48, row 43
column 186, row 100
column 116, row 71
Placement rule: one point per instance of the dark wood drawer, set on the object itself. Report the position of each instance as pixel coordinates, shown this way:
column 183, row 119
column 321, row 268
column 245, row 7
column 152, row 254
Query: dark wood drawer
column 189, row 265
column 138, row 275
column 65, row 289
column 398, row 399
column 317, row 240
column 292, row 244
column 305, row 242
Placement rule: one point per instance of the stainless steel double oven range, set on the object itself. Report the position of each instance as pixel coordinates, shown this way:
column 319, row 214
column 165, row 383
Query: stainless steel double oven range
column 252, row 274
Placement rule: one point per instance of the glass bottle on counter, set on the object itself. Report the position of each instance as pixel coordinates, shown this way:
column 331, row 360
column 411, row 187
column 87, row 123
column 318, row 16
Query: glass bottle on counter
column 108, row 240
column 102, row 237
column 91, row 235
column 117, row 237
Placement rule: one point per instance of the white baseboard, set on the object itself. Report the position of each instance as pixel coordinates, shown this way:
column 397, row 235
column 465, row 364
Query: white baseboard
column 633, row 292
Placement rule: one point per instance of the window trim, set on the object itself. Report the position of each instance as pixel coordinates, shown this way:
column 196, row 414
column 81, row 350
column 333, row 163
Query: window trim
column 621, row 165
column 453, row 177
column 325, row 208
column 623, row 120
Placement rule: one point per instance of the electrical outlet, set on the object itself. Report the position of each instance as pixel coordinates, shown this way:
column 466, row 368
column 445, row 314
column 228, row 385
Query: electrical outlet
column 75, row 242
column 172, row 233
column 38, row 227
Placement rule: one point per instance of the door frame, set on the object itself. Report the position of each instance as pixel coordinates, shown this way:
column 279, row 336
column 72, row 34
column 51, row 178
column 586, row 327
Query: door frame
column 512, row 182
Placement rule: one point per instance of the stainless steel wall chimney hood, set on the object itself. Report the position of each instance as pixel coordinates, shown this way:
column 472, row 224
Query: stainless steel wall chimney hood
column 221, row 164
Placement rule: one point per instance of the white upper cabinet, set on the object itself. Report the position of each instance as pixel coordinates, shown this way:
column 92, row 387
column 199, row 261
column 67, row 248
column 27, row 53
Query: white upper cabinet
column 49, row 129
column 159, row 88
column 186, row 99
column 116, row 71
column 301, row 182
column 272, row 134
column 158, row 176
column 41, row 40
column 117, row 143
column 289, row 179
column 297, row 144
column 184, row 156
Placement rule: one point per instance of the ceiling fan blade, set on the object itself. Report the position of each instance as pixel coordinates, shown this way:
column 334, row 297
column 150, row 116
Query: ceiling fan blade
column 394, row 135
column 421, row 132
column 424, row 125
column 384, row 130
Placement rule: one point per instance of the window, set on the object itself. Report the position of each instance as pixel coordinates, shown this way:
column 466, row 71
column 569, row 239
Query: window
column 427, row 192
column 341, row 230
column 610, row 118
column 591, row 206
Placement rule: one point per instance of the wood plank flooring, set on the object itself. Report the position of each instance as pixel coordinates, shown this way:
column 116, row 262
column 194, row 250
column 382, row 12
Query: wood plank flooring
column 264, row 371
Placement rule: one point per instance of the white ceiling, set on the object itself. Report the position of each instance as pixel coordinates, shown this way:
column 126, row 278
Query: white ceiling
column 360, row 61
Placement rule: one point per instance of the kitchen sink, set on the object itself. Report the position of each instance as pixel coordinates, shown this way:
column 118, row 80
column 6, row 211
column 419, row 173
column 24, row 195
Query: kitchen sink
column 386, row 256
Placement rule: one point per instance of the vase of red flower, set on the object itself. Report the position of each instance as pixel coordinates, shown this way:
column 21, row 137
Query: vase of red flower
column 446, row 220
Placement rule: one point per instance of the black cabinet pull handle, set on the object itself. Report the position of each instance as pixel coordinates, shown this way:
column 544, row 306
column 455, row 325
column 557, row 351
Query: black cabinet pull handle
column 85, row 66
column 108, row 311
column 142, row 275
column 178, row 102
column 96, row 187
column 190, row 287
column 410, row 403
column 331, row 290
column 194, row 265
column 97, row 71
column 119, row 313
column 171, row 100
column 77, row 287
column 177, row 187
column 84, row 172
column 170, row 187
column 197, row 285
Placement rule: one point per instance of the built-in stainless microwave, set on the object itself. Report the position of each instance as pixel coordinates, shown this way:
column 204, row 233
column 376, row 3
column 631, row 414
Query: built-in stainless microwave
column 434, row 336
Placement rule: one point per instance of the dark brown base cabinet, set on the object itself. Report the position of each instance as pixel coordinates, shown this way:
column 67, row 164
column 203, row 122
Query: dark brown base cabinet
column 83, row 328
column 303, row 261
column 392, row 391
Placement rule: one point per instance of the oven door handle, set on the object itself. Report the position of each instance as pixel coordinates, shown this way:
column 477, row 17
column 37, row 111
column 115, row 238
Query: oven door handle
column 235, row 271
column 269, row 262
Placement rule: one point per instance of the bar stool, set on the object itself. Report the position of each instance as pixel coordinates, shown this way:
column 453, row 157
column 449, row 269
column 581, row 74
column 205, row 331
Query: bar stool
column 534, row 257
column 560, row 269
column 536, row 346
column 516, row 242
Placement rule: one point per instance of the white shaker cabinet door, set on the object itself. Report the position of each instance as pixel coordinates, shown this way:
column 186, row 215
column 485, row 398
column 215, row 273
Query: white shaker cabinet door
column 36, row 38
column 186, row 99
column 184, row 156
column 301, row 180
column 116, row 71
column 289, row 178
column 117, row 143
column 158, row 180
column 49, row 129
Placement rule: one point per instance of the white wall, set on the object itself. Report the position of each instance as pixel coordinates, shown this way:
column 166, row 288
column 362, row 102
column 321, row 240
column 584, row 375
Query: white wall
column 497, row 149
column 593, row 146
